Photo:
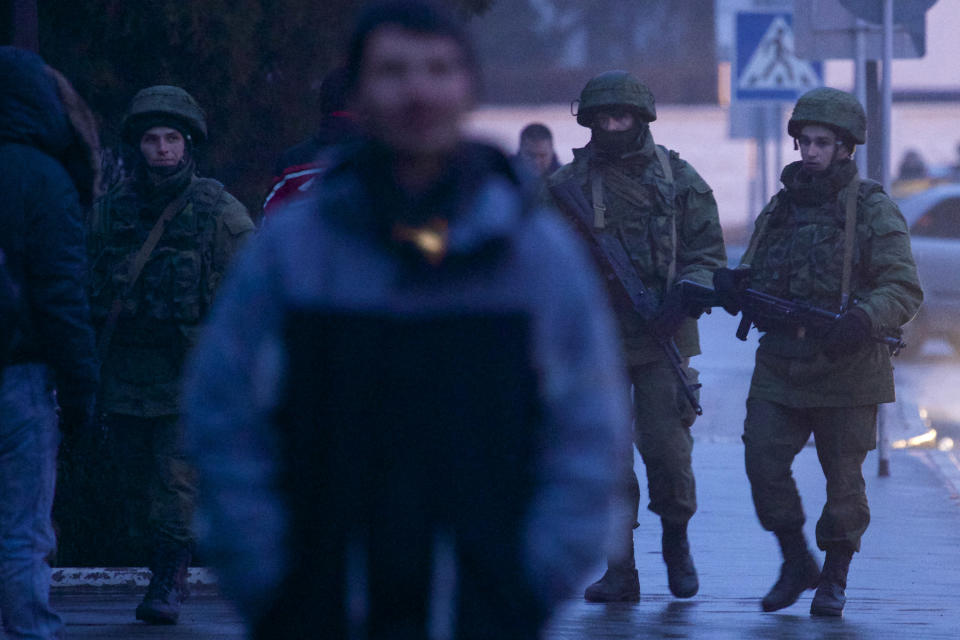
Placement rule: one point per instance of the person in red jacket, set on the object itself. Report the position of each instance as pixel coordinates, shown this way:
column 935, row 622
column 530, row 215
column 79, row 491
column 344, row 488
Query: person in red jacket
column 299, row 166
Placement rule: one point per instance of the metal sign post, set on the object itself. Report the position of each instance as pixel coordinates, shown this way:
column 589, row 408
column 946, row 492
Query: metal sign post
column 867, row 31
column 887, row 91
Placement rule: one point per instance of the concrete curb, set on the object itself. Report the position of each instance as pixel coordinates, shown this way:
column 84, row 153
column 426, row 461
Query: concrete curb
column 117, row 577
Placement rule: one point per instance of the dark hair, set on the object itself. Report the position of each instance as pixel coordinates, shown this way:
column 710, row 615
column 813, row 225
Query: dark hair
column 534, row 132
column 419, row 16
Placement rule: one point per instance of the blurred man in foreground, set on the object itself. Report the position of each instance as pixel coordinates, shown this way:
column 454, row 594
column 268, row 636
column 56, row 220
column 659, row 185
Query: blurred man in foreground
column 430, row 359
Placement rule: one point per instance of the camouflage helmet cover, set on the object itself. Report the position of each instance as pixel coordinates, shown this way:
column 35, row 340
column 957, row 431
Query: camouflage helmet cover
column 615, row 88
column 163, row 101
column 833, row 108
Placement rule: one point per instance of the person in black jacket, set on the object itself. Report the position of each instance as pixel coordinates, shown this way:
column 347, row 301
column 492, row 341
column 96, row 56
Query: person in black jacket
column 45, row 164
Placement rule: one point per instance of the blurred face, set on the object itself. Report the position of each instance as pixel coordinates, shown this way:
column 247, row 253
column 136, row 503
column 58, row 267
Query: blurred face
column 538, row 154
column 413, row 90
column 614, row 119
column 162, row 146
column 819, row 148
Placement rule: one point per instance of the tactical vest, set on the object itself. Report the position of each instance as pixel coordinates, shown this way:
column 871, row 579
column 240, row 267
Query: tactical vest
column 799, row 250
column 174, row 289
column 651, row 237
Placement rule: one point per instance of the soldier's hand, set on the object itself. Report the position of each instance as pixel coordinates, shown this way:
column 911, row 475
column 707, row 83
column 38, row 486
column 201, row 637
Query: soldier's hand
column 727, row 283
column 847, row 333
column 670, row 316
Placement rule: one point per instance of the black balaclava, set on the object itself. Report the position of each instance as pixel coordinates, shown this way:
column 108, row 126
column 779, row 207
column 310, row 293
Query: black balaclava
column 617, row 143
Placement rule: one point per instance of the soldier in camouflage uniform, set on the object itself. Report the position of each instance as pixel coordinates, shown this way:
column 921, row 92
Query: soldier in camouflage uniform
column 145, row 330
column 828, row 384
column 665, row 216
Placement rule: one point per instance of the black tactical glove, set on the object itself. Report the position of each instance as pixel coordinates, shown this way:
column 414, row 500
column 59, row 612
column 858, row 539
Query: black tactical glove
column 671, row 315
column 847, row 333
column 727, row 283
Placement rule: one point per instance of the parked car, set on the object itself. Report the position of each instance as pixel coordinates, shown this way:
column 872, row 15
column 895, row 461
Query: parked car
column 933, row 217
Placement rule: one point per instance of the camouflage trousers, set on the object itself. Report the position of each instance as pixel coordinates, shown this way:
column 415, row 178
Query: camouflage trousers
column 774, row 434
column 154, row 477
column 662, row 418
column 124, row 491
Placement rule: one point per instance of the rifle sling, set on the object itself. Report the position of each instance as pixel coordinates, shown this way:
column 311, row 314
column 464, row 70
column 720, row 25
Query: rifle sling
column 575, row 207
column 136, row 266
column 600, row 209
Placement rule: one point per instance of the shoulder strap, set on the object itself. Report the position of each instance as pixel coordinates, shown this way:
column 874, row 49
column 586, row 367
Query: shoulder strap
column 759, row 228
column 136, row 266
column 849, row 237
column 664, row 163
column 668, row 174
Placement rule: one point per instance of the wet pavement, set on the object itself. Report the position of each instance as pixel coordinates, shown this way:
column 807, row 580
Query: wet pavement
column 904, row 584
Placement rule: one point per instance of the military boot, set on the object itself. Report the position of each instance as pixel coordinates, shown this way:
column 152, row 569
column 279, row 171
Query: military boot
column 618, row 584
column 798, row 572
column 830, row 596
column 168, row 587
column 681, row 574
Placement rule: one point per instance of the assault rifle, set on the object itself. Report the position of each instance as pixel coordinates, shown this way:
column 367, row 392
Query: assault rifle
column 773, row 311
column 628, row 285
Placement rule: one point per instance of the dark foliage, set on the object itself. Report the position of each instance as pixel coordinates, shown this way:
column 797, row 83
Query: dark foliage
column 254, row 65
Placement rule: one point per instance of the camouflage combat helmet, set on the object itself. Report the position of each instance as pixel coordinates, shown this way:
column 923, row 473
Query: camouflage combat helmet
column 833, row 108
column 615, row 88
column 154, row 104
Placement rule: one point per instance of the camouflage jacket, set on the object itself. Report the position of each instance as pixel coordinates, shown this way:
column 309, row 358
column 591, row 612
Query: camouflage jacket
column 160, row 317
column 659, row 222
column 796, row 252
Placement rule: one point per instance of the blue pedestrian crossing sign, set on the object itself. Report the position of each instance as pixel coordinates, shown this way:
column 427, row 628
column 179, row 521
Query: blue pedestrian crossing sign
column 767, row 67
